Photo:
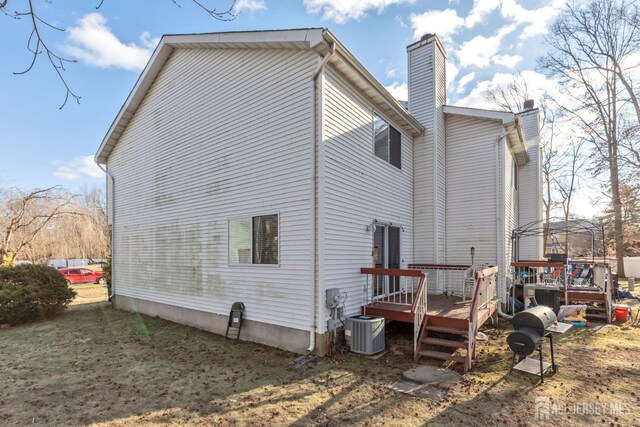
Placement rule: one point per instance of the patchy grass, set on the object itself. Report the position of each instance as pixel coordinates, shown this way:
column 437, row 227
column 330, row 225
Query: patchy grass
column 89, row 293
column 96, row 365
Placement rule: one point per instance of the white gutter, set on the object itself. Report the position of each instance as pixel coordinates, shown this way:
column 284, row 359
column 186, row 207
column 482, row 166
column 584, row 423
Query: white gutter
column 314, row 192
column 113, row 225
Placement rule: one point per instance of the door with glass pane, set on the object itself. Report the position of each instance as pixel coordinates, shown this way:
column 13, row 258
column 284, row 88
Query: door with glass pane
column 386, row 254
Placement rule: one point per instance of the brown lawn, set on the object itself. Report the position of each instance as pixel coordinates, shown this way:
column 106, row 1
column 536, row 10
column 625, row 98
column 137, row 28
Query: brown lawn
column 96, row 365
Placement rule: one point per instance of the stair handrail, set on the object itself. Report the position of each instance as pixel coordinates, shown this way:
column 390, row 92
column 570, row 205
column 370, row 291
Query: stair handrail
column 419, row 310
column 483, row 281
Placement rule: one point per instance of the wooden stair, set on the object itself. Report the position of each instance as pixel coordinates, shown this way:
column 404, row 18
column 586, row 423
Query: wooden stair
column 444, row 342
column 442, row 355
column 449, row 338
column 597, row 313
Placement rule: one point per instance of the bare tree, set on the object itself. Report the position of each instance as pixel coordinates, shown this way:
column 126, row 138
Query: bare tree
column 630, row 196
column 24, row 215
column 511, row 97
column 567, row 182
column 589, row 47
column 37, row 43
column 550, row 166
column 52, row 223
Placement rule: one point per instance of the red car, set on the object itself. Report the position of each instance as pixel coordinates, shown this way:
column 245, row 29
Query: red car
column 82, row 275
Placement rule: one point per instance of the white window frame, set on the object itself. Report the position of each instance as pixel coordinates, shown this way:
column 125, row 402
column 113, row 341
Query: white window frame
column 373, row 140
column 250, row 217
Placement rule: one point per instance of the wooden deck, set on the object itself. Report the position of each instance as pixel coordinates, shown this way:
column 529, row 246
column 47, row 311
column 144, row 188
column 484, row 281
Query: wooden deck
column 438, row 306
column 444, row 327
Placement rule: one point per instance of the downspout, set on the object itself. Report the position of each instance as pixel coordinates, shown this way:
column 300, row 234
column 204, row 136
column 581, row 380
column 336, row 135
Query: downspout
column 113, row 225
column 503, row 134
column 314, row 192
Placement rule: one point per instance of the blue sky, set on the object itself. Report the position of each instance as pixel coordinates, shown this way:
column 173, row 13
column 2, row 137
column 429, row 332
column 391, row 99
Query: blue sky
column 42, row 145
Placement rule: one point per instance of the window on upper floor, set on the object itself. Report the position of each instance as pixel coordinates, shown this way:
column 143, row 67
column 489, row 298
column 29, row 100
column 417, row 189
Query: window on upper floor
column 253, row 240
column 387, row 141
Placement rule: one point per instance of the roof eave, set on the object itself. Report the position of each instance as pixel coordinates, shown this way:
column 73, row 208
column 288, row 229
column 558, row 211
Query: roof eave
column 516, row 141
column 413, row 124
column 510, row 122
column 144, row 82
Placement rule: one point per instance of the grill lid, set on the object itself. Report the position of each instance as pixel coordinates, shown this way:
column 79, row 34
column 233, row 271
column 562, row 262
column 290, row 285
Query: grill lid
column 538, row 318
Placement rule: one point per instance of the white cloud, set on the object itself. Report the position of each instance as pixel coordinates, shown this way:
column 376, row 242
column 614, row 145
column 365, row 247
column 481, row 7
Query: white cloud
column 391, row 73
column 249, row 5
column 537, row 20
column 479, row 50
column 480, row 10
column 78, row 167
column 537, row 86
column 451, row 72
column 508, row 61
column 92, row 41
column 341, row 11
column 400, row 91
column 444, row 23
column 465, row 80
column 398, row 19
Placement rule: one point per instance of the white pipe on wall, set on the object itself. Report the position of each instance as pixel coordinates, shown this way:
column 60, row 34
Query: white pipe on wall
column 314, row 160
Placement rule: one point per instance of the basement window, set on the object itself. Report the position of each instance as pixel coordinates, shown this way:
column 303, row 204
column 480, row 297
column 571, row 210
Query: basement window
column 387, row 141
column 254, row 240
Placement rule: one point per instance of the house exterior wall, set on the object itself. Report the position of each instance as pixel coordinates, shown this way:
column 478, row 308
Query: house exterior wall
column 221, row 134
column 441, row 167
column 510, row 210
column 427, row 95
column 472, row 194
column 481, row 201
column 357, row 188
column 530, row 192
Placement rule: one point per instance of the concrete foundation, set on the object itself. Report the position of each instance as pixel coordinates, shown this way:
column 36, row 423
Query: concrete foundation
column 294, row 340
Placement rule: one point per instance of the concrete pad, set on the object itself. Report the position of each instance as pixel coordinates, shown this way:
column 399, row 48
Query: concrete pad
column 430, row 374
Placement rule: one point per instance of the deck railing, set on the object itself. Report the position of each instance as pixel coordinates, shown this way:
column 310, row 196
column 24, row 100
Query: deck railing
column 485, row 291
column 391, row 285
column 419, row 310
column 448, row 279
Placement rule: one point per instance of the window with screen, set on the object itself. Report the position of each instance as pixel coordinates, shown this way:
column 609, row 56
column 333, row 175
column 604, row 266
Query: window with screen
column 254, row 240
column 387, row 141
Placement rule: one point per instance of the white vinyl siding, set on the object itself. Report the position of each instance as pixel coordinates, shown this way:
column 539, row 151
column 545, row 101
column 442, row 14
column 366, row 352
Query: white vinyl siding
column 357, row 188
column 222, row 133
column 510, row 207
column 422, row 107
column 427, row 96
column 471, row 190
column 441, row 167
column 530, row 191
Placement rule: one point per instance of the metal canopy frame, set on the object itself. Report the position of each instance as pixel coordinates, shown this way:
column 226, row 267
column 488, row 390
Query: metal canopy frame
column 576, row 226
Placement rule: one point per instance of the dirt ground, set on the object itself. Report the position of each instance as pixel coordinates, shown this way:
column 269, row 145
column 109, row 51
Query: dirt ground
column 96, row 365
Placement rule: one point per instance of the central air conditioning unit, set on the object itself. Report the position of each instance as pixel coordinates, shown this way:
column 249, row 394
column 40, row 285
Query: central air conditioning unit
column 365, row 334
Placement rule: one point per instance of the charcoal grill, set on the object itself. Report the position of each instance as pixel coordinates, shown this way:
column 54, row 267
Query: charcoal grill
column 531, row 329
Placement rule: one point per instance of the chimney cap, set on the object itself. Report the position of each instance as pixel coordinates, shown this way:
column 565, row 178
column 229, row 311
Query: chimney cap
column 529, row 104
